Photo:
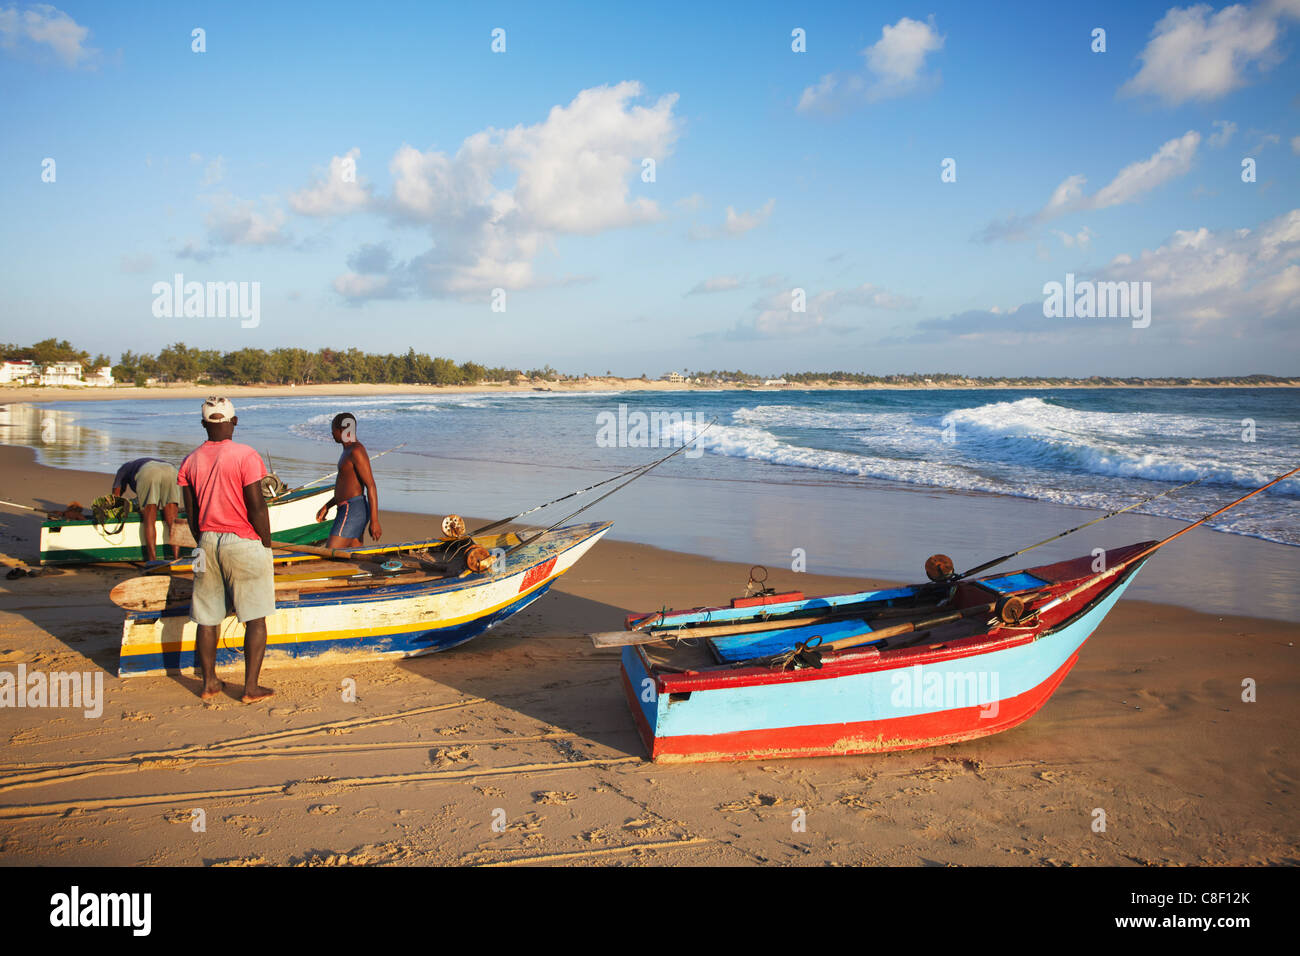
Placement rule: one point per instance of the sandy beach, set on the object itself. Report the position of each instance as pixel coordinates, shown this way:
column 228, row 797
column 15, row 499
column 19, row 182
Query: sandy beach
column 527, row 725
column 21, row 393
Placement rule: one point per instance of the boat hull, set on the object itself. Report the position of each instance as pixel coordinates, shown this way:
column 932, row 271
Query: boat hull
column 866, row 704
column 293, row 520
column 396, row 621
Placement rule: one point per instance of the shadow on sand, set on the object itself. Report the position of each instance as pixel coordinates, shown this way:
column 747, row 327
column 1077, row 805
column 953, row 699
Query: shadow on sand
column 541, row 664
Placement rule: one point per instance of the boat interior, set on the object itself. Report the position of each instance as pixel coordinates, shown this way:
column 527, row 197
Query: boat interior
column 758, row 638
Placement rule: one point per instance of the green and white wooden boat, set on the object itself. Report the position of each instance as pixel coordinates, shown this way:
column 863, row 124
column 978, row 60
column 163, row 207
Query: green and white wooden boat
column 293, row 519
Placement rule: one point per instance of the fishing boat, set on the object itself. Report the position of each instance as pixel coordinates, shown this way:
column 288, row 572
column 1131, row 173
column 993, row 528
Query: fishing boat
column 88, row 541
column 393, row 601
column 957, row 658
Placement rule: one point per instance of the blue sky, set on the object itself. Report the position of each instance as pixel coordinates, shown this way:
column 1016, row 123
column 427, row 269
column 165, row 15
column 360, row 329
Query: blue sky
column 775, row 170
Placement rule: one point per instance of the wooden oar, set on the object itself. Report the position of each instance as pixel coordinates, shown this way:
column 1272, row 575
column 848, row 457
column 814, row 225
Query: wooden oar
column 669, row 632
column 152, row 593
column 625, row 638
column 1008, row 608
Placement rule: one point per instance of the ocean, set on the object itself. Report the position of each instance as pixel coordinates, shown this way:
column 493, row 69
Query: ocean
column 862, row 482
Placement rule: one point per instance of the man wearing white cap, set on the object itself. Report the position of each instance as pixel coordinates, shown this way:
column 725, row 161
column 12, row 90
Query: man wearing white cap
column 221, row 481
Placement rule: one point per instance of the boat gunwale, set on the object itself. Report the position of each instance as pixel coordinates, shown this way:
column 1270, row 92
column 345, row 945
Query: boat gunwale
column 399, row 590
column 866, row 660
column 135, row 517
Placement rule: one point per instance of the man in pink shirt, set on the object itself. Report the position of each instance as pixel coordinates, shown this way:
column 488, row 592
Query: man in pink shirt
column 221, row 482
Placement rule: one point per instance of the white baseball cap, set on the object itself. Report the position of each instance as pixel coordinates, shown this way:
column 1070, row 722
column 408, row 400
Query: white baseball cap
column 217, row 410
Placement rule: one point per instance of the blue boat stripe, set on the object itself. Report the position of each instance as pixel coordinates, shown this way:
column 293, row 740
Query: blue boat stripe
column 418, row 640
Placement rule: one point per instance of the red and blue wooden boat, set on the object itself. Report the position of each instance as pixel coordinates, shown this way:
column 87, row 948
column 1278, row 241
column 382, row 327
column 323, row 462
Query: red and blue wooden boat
column 957, row 658
column 766, row 690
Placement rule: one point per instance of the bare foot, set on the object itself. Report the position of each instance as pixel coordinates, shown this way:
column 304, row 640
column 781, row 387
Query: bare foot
column 214, row 689
column 256, row 694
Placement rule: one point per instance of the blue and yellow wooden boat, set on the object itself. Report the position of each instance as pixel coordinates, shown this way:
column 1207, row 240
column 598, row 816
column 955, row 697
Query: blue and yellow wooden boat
column 324, row 617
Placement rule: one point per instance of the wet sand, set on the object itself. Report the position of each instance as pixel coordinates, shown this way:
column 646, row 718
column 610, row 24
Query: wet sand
column 526, row 727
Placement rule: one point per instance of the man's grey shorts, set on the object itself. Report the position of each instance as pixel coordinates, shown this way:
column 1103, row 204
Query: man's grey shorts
column 155, row 484
column 238, row 574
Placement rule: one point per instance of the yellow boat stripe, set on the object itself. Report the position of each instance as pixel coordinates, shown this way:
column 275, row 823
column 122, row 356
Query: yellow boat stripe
column 284, row 640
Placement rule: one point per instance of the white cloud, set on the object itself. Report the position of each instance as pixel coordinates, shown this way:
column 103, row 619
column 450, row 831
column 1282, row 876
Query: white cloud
column 1265, row 140
column 894, row 66
column 1222, row 133
column 340, row 190
column 714, row 284
column 899, row 54
column 193, row 249
column 44, row 25
column 735, row 224
column 1170, row 161
column 824, row 312
column 504, row 196
column 358, row 287
column 240, row 222
column 215, row 172
column 1197, row 54
column 1207, row 287
column 1202, row 276
column 1081, row 239
column 1295, row 145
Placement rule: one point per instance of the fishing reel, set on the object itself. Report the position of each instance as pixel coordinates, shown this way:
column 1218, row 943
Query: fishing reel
column 938, row 568
column 476, row 557
column 273, row 487
column 1011, row 609
column 453, row 527
column 755, row 587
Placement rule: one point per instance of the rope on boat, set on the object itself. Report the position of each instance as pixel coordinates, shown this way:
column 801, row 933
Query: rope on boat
column 108, row 509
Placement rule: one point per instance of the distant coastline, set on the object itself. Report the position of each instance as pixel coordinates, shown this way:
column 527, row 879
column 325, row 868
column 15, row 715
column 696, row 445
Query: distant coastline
column 60, row 393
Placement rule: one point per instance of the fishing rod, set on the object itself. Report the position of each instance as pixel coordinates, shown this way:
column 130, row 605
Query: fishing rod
column 643, row 471
column 333, row 473
column 571, row 494
column 1118, row 511
column 14, row 504
column 1091, row 582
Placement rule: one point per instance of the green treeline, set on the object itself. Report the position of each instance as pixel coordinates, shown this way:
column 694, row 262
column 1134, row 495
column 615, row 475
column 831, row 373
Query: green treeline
column 283, row 366
column 294, row 366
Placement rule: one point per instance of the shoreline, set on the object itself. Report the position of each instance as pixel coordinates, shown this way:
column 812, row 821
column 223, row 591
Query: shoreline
column 1238, row 574
column 529, row 720
column 10, row 394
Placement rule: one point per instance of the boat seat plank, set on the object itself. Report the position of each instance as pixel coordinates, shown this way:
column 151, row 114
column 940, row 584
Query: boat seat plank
column 739, row 647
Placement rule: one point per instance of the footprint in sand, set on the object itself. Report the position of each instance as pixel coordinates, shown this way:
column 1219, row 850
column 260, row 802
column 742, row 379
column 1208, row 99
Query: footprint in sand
column 554, row 797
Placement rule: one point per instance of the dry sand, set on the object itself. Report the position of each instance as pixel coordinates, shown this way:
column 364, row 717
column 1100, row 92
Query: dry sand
column 527, row 725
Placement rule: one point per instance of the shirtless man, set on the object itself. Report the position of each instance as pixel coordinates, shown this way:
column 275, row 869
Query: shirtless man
column 354, row 489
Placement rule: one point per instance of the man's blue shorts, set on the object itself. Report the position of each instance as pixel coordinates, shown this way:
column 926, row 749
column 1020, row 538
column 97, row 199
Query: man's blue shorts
column 351, row 518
